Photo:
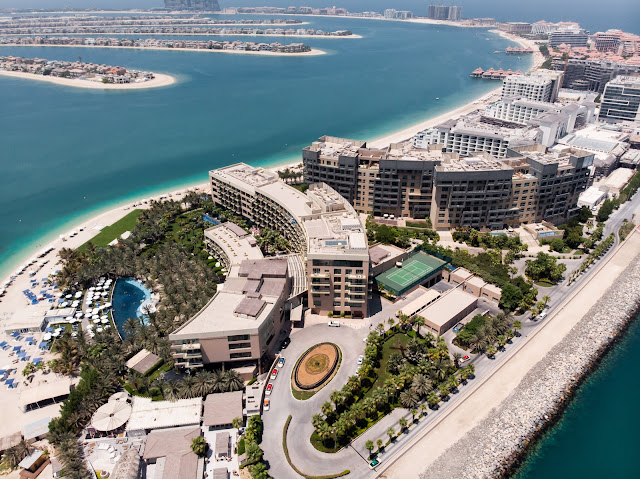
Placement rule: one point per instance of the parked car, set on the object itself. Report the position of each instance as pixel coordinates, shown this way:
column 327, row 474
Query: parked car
column 374, row 464
column 280, row 362
column 285, row 342
column 267, row 403
column 542, row 315
column 458, row 327
column 464, row 359
column 335, row 324
column 360, row 359
column 267, row 391
column 274, row 373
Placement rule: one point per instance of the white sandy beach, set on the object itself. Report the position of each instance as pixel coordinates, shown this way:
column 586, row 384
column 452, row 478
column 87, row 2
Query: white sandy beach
column 312, row 52
column 160, row 80
column 204, row 34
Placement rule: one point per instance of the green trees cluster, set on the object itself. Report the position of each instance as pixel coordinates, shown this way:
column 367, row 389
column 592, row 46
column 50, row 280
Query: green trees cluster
column 400, row 237
column 252, row 439
column 12, row 456
column 609, row 205
column 473, row 237
column 291, row 176
column 485, row 332
column 421, row 371
column 202, row 383
column 593, row 256
column 545, row 267
column 270, row 241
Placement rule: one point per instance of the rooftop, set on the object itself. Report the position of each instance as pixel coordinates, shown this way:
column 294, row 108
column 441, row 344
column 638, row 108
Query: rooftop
column 174, row 445
column 333, row 147
column 148, row 414
column 447, row 306
column 221, row 409
column 142, row 361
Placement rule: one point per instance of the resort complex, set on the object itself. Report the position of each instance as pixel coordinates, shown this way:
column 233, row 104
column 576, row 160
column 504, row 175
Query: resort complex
column 375, row 307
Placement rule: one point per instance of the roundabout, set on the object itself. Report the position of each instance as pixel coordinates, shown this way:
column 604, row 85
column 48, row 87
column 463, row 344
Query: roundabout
column 314, row 369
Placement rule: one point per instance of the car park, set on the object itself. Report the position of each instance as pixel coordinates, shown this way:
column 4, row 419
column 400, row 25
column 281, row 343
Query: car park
column 268, row 390
column 335, row 324
column 280, row 362
column 274, row 373
column 267, row 403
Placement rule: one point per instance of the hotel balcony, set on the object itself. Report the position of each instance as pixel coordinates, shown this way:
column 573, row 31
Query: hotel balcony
column 185, row 347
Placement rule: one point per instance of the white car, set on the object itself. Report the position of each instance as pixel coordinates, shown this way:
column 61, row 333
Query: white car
column 360, row 359
column 541, row 316
column 334, row 324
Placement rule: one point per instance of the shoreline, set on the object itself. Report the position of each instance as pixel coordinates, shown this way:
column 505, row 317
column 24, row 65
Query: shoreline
column 188, row 184
column 160, row 80
column 313, row 52
column 251, row 35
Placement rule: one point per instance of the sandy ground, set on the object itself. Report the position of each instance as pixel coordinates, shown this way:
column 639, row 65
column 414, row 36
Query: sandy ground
column 160, row 80
column 495, row 388
column 314, row 51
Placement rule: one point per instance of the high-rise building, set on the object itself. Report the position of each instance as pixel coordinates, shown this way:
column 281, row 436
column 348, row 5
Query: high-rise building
column 207, row 5
column 444, row 12
column 520, row 28
column 539, row 86
column 393, row 14
column 479, row 191
column 621, row 100
column 569, row 36
column 320, row 225
column 608, row 41
column 592, row 75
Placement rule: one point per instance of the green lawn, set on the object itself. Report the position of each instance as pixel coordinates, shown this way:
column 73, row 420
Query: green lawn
column 108, row 234
column 389, row 346
column 418, row 224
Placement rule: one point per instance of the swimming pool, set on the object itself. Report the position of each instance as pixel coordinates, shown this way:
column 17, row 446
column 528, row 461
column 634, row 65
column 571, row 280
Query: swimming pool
column 129, row 298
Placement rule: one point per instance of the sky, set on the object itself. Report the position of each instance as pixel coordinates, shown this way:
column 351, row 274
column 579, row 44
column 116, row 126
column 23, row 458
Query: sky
column 592, row 14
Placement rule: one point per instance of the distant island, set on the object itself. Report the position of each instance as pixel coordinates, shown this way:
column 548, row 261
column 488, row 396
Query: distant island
column 78, row 74
column 165, row 44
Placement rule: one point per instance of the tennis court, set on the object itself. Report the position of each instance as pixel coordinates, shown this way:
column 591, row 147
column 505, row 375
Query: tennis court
column 415, row 270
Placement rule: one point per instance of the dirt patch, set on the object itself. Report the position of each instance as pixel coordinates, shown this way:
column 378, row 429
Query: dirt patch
column 316, row 366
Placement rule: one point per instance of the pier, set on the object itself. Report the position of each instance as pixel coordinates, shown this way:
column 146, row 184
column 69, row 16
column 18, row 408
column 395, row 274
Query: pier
column 493, row 74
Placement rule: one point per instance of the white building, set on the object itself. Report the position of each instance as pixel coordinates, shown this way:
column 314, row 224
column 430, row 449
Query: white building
column 539, row 86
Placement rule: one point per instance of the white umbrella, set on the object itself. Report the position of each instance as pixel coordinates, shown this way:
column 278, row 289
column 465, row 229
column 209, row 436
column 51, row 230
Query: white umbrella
column 103, row 293
column 47, row 337
column 111, row 415
column 107, row 305
column 59, row 294
column 79, row 314
column 68, row 296
column 69, row 318
column 74, row 334
column 99, row 329
column 56, row 334
column 105, row 321
column 96, row 320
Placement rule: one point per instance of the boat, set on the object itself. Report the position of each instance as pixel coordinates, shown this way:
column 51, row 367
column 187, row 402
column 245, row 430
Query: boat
column 437, row 98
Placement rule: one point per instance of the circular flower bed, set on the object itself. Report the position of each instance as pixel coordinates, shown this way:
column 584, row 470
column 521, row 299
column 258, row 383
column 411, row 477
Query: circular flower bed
column 316, row 366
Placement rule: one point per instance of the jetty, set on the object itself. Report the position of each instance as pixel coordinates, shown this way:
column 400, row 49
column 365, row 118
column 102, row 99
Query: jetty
column 493, row 74
column 517, row 51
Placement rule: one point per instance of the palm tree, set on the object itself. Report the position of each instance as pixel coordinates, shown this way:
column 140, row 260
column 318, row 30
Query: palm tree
column 187, row 387
column 237, row 422
column 456, row 359
column 517, row 325
column 199, row 446
column 443, row 390
column 408, row 399
column 545, row 300
column 452, row 382
column 316, row 420
column 502, row 341
column 336, row 398
column 391, row 432
column 380, row 444
column 403, row 319
column 231, row 381
column 423, row 409
column 203, row 383
column 324, row 431
column 421, row 384
column 418, row 322
column 369, row 446
column 491, row 350
column 391, row 322
column 380, row 328
column 326, row 408
column 414, row 413
column 403, row 423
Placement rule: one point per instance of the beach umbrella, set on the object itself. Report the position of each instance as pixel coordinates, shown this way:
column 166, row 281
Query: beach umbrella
column 79, row 294
column 69, row 318
column 68, row 296
column 47, row 336
column 96, row 320
column 111, row 415
column 107, row 305
column 99, row 329
column 105, row 321
column 74, row 334
column 56, row 334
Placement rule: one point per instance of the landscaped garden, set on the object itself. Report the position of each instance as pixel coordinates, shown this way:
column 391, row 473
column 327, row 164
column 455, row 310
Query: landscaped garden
column 314, row 370
column 400, row 369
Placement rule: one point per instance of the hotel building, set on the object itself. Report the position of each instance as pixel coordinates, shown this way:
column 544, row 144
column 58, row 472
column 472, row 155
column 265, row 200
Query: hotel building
column 592, row 75
column 539, row 86
column 482, row 191
column 321, row 225
column 621, row 100
column 569, row 36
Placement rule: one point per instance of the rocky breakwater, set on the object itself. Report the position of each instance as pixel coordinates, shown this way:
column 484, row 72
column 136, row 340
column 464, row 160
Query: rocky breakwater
column 495, row 447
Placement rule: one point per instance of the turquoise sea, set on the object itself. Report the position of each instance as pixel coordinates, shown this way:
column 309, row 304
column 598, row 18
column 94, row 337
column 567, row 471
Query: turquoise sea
column 597, row 435
column 68, row 152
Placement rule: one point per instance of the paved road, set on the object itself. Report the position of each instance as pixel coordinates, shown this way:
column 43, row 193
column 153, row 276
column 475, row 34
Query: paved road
column 349, row 339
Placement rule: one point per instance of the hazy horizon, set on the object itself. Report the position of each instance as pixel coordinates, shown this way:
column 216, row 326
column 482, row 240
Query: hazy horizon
column 622, row 14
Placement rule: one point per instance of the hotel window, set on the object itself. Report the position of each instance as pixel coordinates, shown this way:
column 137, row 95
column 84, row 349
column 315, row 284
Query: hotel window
column 240, row 355
column 337, row 287
column 336, row 304
column 359, row 271
column 317, row 303
column 347, row 271
column 336, row 271
column 239, row 345
column 239, row 337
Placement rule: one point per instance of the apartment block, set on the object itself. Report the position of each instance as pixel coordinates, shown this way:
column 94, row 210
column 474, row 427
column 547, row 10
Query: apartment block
column 519, row 28
column 569, row 36
column 592, row 75
column 321, row 224
column 621, row 100
column 471, row 192
column 539, row 86
column 560, row 178
column 608, row 41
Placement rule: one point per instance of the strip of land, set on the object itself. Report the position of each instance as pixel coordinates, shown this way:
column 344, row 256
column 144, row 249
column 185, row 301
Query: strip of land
column 312, row 52
column 160, row 80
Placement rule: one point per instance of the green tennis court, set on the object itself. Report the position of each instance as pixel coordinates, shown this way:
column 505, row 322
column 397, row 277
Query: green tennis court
column 414, row 270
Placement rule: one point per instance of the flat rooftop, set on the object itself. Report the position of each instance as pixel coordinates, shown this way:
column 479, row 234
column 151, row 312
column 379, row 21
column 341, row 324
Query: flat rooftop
column 473, row 163
column 245, row 176
column 242, row 303
column 333, row 147
column 148, row 414
column 236, row 247
column 447, row 306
